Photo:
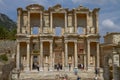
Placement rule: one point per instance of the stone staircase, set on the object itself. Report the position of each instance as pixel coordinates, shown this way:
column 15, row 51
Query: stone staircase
column 58, row 75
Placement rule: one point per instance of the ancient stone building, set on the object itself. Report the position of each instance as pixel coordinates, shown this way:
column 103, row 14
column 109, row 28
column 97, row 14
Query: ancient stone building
column 110, row 56
column 57, row 37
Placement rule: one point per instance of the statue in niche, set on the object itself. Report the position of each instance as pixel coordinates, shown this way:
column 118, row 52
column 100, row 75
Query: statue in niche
column 92, row 30
column 46, row 20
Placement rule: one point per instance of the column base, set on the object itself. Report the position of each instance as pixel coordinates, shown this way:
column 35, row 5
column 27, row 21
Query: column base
column 51, row 69
column 90, row 68
column 41, row 69
column 27, row 69
column 66, row 68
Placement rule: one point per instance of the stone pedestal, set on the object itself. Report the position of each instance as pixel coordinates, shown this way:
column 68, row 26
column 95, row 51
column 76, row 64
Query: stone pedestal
column 41, row 69
column 66, row 68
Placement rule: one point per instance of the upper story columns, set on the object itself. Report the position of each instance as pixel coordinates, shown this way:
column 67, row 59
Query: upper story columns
column 56, row 16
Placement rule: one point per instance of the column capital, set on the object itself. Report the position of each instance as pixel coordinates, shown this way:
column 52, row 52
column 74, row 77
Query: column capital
column 66, row 42
column 51, row 41
column 75, row 41
column 41, row 41
column 27, row 42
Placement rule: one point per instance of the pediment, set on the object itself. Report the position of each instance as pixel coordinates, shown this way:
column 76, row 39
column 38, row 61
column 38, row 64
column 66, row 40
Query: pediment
column 35, row 7
column 82, row 8
column 57, row 8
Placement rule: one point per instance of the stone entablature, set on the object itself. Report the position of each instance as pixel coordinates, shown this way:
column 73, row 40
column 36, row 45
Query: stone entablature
column 112, row 38
column 109, row 56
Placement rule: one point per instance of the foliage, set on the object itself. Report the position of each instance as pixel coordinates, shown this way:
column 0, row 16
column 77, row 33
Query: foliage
column 4, row 57
column 7, row 34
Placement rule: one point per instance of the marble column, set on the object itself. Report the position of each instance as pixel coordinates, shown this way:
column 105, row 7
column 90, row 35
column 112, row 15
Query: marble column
column 88, row 54
column 63, row 60
column 51, row 21
column 31, row 63
column 75, row 54
column 41, row 22
column 28, row 27
column 85, row 61
column 75, row 17
column 41, row 56
column 87, row 25
column 18, row 56
column 65, row 22
column 51, row 52
column 28, row 56
column 19, row 21
column 97, row 29
column 98, row 55
column 66, row 55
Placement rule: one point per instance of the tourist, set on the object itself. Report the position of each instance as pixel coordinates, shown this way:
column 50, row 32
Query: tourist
column 78, row 78
column 57, row 67
column 75, row 71
column 69, row 67
column 36, row 66
column 96, row 71
column 95, row 78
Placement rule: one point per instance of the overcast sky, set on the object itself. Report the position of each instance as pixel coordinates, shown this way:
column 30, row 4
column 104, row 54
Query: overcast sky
column 109, row 16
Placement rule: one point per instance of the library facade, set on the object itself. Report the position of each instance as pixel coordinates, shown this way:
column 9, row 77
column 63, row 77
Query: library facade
column 57, row 38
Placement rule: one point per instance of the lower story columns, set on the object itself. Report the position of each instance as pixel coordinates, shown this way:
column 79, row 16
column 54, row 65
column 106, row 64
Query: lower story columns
column 51, row 55
column 75, row 54
column 98, row 58
column 28, row 57
column 18, row 56
column 41, row 56
column 66, row 56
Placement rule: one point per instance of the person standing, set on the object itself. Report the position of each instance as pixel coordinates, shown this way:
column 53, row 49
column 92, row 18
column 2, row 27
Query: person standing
column 78, row 78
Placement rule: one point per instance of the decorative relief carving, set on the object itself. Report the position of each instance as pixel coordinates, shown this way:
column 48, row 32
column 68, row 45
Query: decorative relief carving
column 91, row 30
column 116, row 39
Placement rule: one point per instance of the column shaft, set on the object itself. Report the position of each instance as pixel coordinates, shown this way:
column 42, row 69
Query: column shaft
column 88, row 54
column 18, row 56
column 18, row 23
column 97, row 29
column 87, row 26
column 51, row 51
column 98, row 58
column 76, row 57
column 63, row 59
column 75, row 15
column 84, row 59
column 31, row 63
column 28, row 29
column 65, row 22
column 28, row 56
column 66, row 54
column 41, row 56
column 41, row 23
column 51, row 22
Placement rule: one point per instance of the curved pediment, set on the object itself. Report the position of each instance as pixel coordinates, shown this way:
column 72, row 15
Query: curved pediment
column 35, row 7
column 82, row 8
column 57, row 8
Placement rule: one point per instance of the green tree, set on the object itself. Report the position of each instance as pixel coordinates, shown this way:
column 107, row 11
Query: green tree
column 7, row 34
column 4, row 57
column 3, row 33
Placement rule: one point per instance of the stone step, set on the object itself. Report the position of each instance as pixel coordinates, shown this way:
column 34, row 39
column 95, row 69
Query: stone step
column 53, row 74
